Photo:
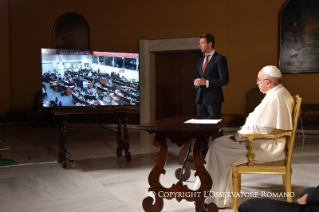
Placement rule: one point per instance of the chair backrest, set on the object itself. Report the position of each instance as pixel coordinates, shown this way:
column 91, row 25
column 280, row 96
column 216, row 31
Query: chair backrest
column 295, row 118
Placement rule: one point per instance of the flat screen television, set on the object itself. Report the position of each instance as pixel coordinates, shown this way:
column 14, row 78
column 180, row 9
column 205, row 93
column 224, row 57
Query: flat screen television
column 77, row 78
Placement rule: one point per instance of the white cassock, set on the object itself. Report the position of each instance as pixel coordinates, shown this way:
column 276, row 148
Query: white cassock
column 271, row 116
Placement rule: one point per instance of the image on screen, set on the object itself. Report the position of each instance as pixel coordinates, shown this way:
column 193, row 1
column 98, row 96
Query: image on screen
column 75, row 78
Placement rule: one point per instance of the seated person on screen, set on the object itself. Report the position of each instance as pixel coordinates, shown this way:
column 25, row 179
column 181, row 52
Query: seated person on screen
column 77, row 80
column 308, row 202
column 85, row 86
column 271, row 116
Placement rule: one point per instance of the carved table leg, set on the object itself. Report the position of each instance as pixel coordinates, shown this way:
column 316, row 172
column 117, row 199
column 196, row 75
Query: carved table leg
column 154, row 177
column 204, row 176
column 178, row 191
column 123, row 144
column 189, row 165
column 63, row 141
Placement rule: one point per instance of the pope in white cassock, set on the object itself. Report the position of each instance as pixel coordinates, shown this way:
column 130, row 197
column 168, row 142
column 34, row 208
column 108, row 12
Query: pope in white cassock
column 273, row 115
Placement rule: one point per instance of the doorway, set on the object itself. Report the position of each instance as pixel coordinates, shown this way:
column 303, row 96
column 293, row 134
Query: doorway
column 175, row 92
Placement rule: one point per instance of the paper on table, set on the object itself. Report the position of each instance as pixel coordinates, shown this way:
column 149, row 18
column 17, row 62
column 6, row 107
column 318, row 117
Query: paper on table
column 202, row 121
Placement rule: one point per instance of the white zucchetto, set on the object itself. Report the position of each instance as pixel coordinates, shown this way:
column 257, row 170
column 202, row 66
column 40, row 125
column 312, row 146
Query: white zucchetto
column 272, row 71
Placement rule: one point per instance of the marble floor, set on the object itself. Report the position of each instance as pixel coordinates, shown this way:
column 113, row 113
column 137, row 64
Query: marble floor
column 98, row 180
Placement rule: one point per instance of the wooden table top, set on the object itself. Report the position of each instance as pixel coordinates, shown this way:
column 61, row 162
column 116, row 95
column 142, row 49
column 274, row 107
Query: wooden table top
column 176, row 123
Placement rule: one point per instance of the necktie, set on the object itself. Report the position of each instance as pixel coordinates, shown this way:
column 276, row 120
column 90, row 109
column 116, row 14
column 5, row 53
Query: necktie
column 205, row 64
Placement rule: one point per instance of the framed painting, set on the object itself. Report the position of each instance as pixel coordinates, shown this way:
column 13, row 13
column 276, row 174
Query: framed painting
column 71, row 31
column 299, row 36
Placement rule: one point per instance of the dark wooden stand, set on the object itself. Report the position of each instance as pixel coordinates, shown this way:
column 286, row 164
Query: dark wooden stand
column 123, row 143
column 181, row 134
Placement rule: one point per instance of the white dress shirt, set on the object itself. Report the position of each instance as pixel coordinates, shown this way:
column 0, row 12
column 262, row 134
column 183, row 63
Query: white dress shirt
column 209, row 57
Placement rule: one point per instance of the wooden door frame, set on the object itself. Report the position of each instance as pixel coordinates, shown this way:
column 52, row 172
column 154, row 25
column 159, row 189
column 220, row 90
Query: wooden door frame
column 148, row 49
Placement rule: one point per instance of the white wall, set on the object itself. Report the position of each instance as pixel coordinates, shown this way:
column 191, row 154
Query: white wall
column 49, row 62
column 128, row 74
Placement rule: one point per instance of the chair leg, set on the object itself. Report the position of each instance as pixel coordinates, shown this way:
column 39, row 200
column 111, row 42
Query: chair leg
column 236, row 182
column 288, row 187
column 284, row 182
column 239, row 182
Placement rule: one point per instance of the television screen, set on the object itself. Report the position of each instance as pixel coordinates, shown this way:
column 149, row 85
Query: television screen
column 89, row 78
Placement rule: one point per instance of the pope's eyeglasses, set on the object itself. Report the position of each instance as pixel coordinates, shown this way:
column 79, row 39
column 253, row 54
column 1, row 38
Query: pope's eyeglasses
column 259, row 80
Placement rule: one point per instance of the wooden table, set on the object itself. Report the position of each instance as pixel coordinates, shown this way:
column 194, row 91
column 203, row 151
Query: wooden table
column 66, row 89
column 180, row 133
column 122, row 142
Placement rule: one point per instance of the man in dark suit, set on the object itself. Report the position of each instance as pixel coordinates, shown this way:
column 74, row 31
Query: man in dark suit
column 211, row 74
column 308, row 202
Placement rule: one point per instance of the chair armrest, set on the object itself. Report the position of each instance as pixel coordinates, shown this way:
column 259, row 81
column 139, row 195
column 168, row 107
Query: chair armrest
column 252, row 136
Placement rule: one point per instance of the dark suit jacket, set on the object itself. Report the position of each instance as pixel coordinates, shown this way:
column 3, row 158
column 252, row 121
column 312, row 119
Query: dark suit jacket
column 217, row 74
column 266, row 205
column 313, row 196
